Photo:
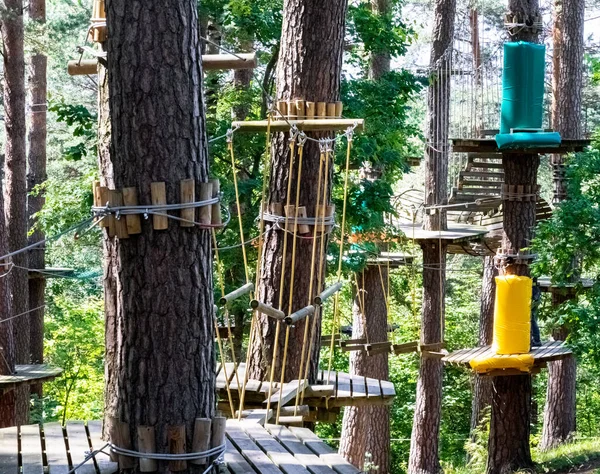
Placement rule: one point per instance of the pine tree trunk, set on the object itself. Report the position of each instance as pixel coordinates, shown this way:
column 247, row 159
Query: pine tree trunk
column 36, row 176
column 559, row 413
column 482, row 390
column 367, row 429
column 162, row 355
column 380, row 61
column 242, row 78
column 424, row 444
column 7, row 345
column 310, row 64
column 16, row 184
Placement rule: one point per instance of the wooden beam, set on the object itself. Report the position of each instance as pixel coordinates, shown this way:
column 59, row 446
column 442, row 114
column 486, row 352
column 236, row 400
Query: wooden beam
column 305, row 125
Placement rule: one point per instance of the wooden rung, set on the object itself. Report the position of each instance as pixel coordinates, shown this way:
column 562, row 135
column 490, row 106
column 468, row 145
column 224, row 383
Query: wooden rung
column 158, row 191
column 378, row 350
column 354, row 348
column 84, row 67
column 305, row 125
column 268, row 310
column 223, row 62
column 291, row 420
column 406, row 348
column 299, row 315
column 353, row 342
column 328, row 293
column 235, row 294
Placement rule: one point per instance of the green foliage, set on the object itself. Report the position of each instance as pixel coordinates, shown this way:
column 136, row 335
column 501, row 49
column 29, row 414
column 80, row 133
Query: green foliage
column 83, row 124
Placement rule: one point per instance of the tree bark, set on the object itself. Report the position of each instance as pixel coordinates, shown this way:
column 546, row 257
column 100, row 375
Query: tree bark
column 310, row 64
column 7, row 345
column 560, row 413
column 380, row 61
column 37, row 176
column 16, row 184
column 162, row 355
column 508, row 448
column 424, row 444
column 242, row 78
column 367, row 429
column 482, row 390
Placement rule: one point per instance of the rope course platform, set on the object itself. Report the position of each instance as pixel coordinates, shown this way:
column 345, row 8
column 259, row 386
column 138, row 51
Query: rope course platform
column 545, row 284
column 308, row 125
column 251, row 448
column 547, row 352
column 455, row 234
column 488, row 145
column 393, row 259
column 27, row 375
column 332, row 390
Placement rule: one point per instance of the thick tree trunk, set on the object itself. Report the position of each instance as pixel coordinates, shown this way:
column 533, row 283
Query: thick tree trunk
column 162, row 353
column 7, row 346
column 16, row 184
column 559, row 413
column 242, row 79
column 379, row 61
column 367, row 429
column 424, row 449
column 482, row 390
column 310, row 64
column 36, row 176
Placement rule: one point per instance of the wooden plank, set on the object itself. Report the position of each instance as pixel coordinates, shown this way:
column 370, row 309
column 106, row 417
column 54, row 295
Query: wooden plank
column 305, row 456
column 306, row 125
column 31, row 450
column 325, row 453
column 276, row 452
column 56, row 449
column 235, row 461
column 373, row 389
column 9, row 460
column 288, row 392
column 79, row 447
column 359, row 386
column 28, row 374
column 251, row 452
column 387, row 389
column 103, row 461
column 343, row 388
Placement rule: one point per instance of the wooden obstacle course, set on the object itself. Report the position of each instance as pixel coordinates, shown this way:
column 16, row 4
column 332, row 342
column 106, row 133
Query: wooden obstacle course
column 27, row 375
column 548, row 352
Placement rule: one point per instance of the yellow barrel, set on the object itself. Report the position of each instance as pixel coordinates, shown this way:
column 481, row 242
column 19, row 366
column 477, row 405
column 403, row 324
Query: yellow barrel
column 512, row 315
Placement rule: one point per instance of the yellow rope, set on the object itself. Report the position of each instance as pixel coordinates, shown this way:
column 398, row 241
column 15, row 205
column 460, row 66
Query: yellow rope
column 341, row 256
column 292, row 280
column 321, row 267
column 258, row 260
column 227, row 320
column 360, row 296
column 282, row 279
column 239, row 209
column 311, row 281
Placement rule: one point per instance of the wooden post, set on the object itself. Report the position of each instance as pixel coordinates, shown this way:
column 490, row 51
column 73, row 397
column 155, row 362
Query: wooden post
column 125, row 462
column 147, row 444
column 276, row 208
column 321, row 109
column 300, row 108
column 290, row 212
column 217, row 437
column 176, row 436
column 159, row 197
column 330, row 211
column 215, row 213
column 282, row 106
column 292, row 110
column 134, row 222
column 310, row 110
column 202, row 430
column 206, row 192
column 121, row 223
column 113, row 437
column 188, row 194
column 104, row 199
column 339, row 108
column 98, row 200
column 331, row 110
column 302, row 228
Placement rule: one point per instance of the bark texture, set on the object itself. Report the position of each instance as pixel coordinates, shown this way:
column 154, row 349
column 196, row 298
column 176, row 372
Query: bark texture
column 310, row 64
column 424, row 444
column 367, row 429
column 559, row 413
column 16, row 184
column 35, row 177
column 482, row 389
column 162, row 353
column 379, row 61
column 7, row 346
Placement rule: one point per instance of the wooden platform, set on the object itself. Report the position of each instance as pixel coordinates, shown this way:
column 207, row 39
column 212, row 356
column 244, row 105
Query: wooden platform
column 488, row 145
column 307, row 125
column 547, row 352
column 251, row 448
column 545, row 284
column 393, row 259
column 456, row 233
column 28, row 374
column 333, row 390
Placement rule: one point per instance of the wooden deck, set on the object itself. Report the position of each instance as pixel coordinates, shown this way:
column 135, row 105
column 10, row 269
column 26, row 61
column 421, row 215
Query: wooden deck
column 456, row 233
column 546, row 285
column 488, row 145
column 251, row 448
column 28, row 374
column 547, row 352
column 333, row 390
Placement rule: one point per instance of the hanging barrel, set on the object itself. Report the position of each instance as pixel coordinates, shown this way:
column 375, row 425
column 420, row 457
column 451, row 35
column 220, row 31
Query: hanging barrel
column 512, row 315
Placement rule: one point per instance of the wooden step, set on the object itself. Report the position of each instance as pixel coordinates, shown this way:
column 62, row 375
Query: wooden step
column 483, row 191
column 483, row 165
column 495, row 156
column 481, row 174
column 481, row 184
